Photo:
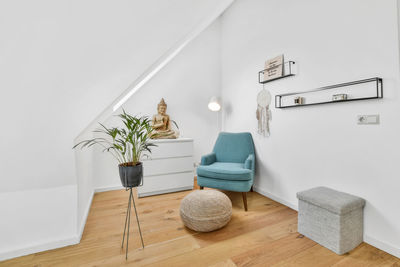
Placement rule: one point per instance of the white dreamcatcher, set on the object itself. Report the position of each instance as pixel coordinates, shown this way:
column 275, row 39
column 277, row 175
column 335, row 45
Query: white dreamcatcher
column 263, row 112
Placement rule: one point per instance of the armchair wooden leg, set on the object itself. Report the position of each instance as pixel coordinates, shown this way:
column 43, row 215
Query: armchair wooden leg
column 201, row 187
column 244, row 195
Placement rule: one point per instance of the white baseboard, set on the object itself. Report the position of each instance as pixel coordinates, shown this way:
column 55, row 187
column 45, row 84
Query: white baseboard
column 82, row 225
column 35, row 248
column 50, row 244
column 119, row 187
column 184, row 188
column 108, row 188
column 49, row 220
column 276, row 198
column 389, row 248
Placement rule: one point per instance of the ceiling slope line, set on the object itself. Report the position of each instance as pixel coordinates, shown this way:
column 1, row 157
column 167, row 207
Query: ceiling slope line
column 156, row 67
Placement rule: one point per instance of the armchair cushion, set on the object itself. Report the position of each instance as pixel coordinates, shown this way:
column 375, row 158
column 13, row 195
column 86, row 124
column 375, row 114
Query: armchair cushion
column 208, row 159
column 249, row 163
column 225, row 171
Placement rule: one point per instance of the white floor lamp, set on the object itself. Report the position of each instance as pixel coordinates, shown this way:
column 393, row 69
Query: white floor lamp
column 215, row 105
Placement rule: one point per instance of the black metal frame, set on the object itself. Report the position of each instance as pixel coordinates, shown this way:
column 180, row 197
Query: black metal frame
column 379, row 93
column 128, row 222
column 290, row 72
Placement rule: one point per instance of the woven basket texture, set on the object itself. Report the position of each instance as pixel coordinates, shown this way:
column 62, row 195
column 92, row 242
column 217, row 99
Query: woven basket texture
column 206, row 210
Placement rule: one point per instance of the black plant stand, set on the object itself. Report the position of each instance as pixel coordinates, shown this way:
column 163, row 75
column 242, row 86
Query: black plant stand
column 128, row 222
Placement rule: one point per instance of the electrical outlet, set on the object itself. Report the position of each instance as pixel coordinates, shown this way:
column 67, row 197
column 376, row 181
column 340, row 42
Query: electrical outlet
column 368, row 119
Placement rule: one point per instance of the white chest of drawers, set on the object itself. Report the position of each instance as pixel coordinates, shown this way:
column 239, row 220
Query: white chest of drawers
column 169, row 169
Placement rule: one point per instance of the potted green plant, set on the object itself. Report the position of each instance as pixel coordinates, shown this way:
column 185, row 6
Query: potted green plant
column 127, row 145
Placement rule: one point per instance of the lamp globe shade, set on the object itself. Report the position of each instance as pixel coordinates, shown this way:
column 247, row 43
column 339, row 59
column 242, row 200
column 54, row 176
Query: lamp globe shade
column 214, row 104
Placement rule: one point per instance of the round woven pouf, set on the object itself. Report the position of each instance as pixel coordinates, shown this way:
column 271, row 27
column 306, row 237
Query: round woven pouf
column 206, row 210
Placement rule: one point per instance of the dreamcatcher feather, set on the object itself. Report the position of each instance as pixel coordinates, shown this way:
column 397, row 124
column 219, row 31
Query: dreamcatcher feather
column 263, row 112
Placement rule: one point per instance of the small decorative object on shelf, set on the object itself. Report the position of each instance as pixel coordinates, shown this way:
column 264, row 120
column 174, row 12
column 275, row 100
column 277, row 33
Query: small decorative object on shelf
column 161, row 124
column 371, row 88
column 285, row 69
column 299, row 100
column 273, row 68
column 339, row 97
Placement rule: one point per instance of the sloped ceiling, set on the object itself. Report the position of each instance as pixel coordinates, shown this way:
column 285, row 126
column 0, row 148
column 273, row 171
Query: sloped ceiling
column 132, row 35
column 63, row 62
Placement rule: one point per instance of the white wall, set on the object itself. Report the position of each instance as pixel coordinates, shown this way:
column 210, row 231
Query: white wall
column 85, row 187
column 35, row 220
column 187, row 84
column 331, row 42
column 61, row 64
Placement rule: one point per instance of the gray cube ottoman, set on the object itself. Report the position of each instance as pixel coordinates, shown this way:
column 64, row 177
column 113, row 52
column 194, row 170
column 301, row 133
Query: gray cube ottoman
column 331, row 218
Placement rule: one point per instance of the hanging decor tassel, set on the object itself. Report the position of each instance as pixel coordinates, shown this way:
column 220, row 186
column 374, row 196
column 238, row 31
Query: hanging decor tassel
column 263, row 112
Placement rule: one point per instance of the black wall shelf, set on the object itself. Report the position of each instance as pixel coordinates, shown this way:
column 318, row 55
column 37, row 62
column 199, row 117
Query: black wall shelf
column 288, row 70
column 378, row 93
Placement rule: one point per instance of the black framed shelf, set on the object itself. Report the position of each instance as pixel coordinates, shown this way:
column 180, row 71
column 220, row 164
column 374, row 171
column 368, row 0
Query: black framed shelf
column 288, row 70
column 299, row 99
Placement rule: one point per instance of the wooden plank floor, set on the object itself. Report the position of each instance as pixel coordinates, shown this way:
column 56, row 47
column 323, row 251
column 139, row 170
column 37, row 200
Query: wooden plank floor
column 266, row 235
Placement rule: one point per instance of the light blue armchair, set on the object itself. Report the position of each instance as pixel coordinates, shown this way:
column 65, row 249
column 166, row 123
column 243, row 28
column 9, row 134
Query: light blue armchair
column 230, row 166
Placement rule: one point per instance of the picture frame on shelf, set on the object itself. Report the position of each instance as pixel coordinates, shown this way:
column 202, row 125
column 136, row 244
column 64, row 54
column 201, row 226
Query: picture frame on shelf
column 274, row 68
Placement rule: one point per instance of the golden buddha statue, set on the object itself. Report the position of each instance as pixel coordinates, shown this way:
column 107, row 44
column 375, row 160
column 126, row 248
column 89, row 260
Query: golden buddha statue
column 162, row 124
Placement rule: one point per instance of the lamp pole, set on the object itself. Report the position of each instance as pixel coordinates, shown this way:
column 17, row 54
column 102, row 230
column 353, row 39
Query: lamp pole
column 215, row 106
